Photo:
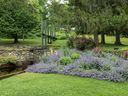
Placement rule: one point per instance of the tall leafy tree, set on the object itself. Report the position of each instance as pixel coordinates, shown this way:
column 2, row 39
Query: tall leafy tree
column 60, row 15
column 16, row 18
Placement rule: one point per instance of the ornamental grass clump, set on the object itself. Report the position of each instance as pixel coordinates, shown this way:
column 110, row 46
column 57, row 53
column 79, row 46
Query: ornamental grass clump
column 65, row 60
column 75, row 56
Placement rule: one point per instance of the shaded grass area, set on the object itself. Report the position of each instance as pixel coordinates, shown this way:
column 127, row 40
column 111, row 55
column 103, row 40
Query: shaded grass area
column 36, row 41
column 59, row 43
column 33, row 84
column 62, row 43
column 7, row 44
column 110, row 40
column 111, row 47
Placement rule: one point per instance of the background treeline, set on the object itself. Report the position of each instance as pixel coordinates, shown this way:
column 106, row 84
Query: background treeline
column 21, row 18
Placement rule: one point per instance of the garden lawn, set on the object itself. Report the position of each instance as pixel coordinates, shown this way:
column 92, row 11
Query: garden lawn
column 59, row 44
column 110, row 44
column 35, row 42
column 33, row 84
column 62, row 43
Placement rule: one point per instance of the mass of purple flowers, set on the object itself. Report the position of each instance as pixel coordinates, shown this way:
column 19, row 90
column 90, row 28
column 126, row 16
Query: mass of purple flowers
column 103, row 66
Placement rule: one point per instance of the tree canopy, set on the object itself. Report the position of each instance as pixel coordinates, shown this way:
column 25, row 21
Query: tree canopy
column 99, row 16
column 17, row 17
column 23, row 17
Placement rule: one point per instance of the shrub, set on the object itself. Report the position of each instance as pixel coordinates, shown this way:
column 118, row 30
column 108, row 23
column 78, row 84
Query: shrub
column 7, row 60
column 82, row 43
column 65, row 60
column 70, row 42
column 75, row 56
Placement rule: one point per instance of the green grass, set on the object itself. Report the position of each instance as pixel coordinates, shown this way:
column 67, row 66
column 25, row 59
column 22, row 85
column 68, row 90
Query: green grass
column 110, row 44
column 59, row 43
column 62, row 43
column 32, row 84
column 7, row 44
column 32, row 42
column 35, row 42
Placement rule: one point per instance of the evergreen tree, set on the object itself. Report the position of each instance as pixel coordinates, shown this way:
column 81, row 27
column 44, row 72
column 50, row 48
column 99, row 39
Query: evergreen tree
column 16, row 18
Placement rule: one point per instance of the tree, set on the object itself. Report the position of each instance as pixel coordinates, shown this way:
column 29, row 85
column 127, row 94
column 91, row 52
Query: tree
column 88, row 15
column 16, row 18
column 59, row 14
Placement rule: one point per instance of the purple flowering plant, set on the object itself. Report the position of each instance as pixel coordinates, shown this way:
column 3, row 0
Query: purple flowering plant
column 105, row 66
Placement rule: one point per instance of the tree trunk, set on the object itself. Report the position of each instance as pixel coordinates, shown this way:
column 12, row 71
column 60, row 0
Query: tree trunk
column 67, row 31
column 49, row 36
column 117, row 36
column 23, row 36
column 102, row 38
column 15, row 38
column 96, row 39
column 44, row 45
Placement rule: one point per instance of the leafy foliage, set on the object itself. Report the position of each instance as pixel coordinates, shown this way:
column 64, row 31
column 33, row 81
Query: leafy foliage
column 81, row 43
column 65, row 60
column 70, row 42
column 7, row 60
column 17, row 18
column 105, row 17
column 75, row 56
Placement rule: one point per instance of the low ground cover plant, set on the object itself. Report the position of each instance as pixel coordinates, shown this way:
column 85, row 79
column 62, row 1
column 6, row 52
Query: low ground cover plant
column 7, row 64
column 75, row 56
column 7, row 60
column 65, row 60
column 103, row 66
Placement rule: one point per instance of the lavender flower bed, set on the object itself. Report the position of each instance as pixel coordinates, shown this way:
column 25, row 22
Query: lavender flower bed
column 103, row 66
